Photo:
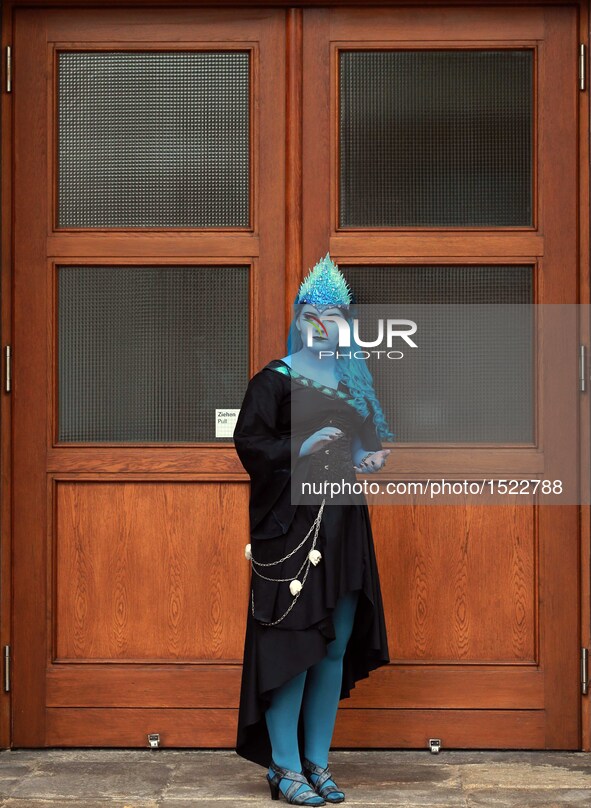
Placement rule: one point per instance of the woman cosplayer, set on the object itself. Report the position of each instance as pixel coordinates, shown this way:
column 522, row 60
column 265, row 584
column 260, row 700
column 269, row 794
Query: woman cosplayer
column 315, row 622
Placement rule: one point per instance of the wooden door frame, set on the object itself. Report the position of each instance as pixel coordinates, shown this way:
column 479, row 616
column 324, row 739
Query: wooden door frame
column 293, row 235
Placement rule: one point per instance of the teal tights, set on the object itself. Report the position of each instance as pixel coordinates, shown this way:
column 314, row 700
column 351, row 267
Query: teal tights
column 318, row 701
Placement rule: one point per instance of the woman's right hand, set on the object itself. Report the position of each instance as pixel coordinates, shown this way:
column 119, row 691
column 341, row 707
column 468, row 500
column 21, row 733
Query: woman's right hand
column 319, row 439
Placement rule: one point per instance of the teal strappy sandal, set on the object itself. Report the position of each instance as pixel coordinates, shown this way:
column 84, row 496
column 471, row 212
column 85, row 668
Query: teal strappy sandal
column 307, row 797
column 318, row 777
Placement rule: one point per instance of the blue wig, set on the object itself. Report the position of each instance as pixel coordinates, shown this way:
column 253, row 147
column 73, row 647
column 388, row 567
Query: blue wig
column 353, row 371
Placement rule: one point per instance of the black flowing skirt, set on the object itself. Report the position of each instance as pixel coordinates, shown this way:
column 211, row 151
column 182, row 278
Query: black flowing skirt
column 275, row 654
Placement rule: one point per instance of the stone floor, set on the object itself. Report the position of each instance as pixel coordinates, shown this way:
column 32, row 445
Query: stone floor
column 178, row 778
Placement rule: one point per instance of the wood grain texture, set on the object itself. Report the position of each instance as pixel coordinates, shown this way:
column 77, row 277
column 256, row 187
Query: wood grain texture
column 270, row 4
column 584, row 420
column 459, row 582
column 465, row 585
column 125, row 552
column 511, row 729
column 128, row 580
column 150, row 570
column 215, row 685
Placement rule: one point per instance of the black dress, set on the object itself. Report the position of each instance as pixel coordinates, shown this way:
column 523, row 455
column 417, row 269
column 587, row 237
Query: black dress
column 279, row 411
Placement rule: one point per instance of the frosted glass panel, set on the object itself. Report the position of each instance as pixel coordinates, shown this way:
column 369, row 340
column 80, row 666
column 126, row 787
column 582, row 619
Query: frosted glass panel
column 148, row 353
column 436, row 138
column 472, row 380
column 153, row 139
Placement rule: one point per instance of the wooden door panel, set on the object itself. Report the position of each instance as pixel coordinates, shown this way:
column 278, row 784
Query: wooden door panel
column 481, row 600
column 453, row 600
column 131, row 585
column 148, row 580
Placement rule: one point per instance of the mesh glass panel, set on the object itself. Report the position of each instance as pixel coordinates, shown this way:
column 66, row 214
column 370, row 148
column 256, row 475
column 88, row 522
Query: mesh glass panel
column 148, row 353
column 436, row 138
column 461, row 386
column 149, row 139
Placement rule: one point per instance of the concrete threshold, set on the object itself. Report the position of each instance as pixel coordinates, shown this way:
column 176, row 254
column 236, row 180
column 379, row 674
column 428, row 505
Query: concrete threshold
column 179, row 778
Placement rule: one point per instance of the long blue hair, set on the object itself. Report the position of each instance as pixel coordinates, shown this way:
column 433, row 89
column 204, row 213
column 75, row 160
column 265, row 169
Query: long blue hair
column 353, row 371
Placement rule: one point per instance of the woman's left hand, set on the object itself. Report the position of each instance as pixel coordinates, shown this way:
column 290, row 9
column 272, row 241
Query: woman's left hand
column 374, row 462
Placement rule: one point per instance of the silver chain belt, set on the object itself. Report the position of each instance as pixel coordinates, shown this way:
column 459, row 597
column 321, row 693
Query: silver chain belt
column 295, row 585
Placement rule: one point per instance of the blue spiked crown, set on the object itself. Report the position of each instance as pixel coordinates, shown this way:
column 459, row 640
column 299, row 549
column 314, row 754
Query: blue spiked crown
column 325, row 286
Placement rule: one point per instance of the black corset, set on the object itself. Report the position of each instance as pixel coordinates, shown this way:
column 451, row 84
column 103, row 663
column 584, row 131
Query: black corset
column 333, row 462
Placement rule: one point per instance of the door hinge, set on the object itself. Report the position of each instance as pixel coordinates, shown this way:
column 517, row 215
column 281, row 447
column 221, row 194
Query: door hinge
column 8, row 69
column 6, row 668
column 582, row 368
column 7, row 369
column 582, row 66
column 584, row 671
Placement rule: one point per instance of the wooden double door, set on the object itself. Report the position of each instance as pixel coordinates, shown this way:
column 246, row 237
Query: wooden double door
column 175, row 172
